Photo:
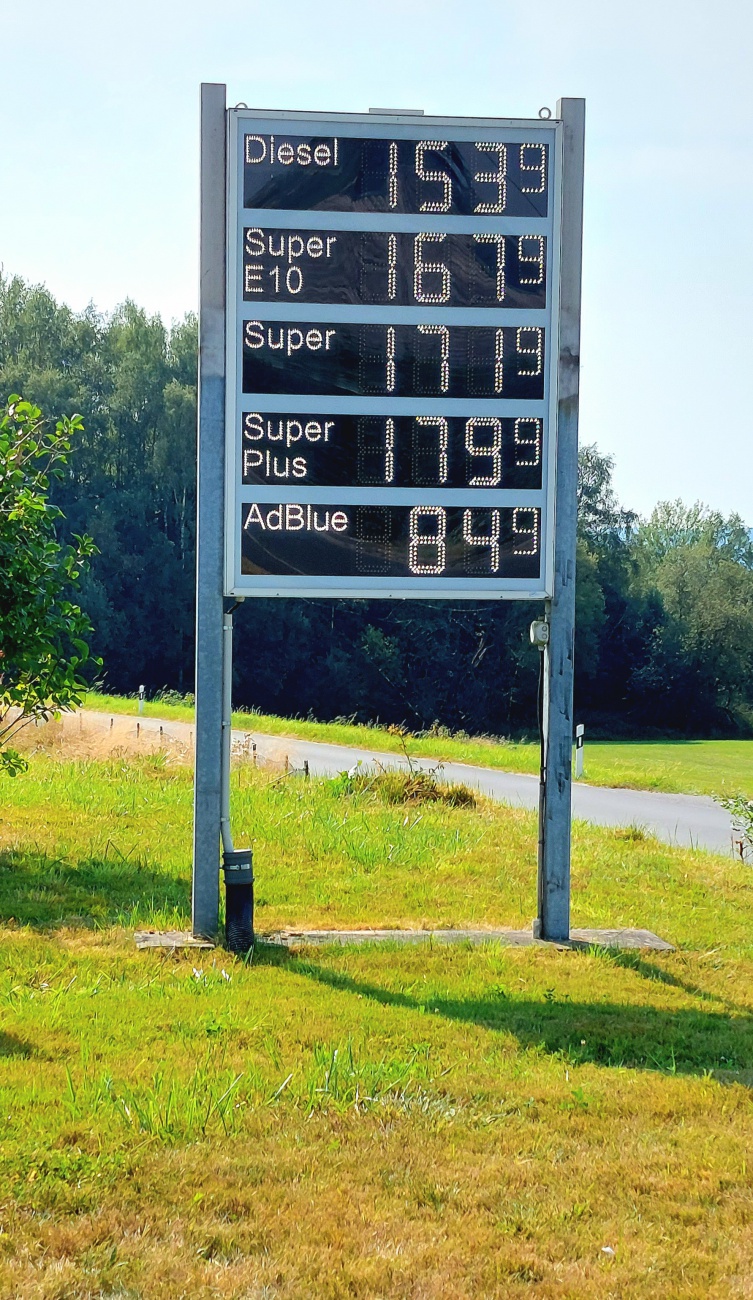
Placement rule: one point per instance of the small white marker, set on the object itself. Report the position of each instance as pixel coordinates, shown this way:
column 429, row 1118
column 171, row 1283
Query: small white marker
column 579, row 735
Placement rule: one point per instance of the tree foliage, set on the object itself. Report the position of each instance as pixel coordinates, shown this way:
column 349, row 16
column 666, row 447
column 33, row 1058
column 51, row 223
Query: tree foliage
column 43, row 644
column 664, row 605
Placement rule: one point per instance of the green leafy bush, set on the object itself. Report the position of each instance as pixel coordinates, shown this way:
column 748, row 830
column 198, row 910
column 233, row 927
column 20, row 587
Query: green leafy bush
column 42, row 633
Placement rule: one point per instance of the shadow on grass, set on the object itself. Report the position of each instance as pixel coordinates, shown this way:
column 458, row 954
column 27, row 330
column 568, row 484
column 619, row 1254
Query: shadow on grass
column 636, row 1036
column 42, row 891
column 629, row 959
column 12, row 1046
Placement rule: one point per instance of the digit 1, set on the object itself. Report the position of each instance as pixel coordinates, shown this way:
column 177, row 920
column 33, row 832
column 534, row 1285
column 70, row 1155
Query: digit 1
column 491, row 539
column 389, row 450
column 418, row 539
column 499, row 359
column 390, row 358
column 392, row 188
column 392, row 266
column 499, row 240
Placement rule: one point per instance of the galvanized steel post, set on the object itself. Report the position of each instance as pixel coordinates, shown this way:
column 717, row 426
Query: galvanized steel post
column 210, row 517
column 553, row 921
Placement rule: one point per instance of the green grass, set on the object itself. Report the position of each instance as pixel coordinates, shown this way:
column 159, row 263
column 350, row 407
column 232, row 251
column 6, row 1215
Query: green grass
column 679, row 767
column 110, row 842
column 433, row 1122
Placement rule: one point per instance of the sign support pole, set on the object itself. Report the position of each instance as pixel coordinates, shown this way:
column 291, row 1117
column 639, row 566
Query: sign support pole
column 553, row 920
column 210, row 527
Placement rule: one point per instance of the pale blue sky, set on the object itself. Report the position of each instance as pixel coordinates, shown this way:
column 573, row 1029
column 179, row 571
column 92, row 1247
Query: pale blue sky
column 99, row 173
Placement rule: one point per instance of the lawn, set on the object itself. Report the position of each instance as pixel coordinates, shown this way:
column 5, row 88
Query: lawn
column 679, row 767
column 372, row 1122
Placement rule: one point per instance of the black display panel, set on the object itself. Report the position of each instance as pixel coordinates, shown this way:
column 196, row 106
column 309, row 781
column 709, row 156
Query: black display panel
column 393, row 360
column 379, row 267
column 391, row 451
column 390, row 541
column 341, row 174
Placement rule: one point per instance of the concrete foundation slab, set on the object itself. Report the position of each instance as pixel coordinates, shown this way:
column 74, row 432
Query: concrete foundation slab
column 515, row 938
column 169, row 939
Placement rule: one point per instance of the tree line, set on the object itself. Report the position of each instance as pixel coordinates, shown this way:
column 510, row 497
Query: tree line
column 664, row 640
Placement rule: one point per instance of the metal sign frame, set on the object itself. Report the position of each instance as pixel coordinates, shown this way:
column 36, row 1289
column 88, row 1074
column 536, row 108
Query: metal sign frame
column 412, row 128
column 217, row 590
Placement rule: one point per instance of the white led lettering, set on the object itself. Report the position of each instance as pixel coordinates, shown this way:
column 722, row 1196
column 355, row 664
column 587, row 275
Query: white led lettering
column 422, row 268
column 499, row 360
column 492, row 451
column 499, row 240
column 391, row 377
column 261, row 148
column 498, row 178
column 287, row 338
column 256, row 148
column 536, row 351
column 293, row 518
column 392, row 186
column 389, row 451
column 531, row 426
column 489, row 540
column 438, row 177
column 525, row 523
column 533, row 159
column 392, row 266
column 443, row 333
column 533, row 257
column 443, row 437
column 252, row 277
column 420, row 541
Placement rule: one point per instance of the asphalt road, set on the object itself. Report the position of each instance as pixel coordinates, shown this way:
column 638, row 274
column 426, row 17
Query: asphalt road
column 683, row 819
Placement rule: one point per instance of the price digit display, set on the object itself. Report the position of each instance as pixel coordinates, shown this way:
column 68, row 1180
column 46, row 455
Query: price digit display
column 404, row 360
column 337, row 173
column 379, row 267
column 391, row 289
column 391, row 450
column 296, row 538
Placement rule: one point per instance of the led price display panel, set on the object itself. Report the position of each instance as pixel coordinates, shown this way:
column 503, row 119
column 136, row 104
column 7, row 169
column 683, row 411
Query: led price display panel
column 392, row 292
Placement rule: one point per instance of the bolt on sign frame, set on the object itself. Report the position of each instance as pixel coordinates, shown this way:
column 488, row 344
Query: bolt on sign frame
column 389, row 347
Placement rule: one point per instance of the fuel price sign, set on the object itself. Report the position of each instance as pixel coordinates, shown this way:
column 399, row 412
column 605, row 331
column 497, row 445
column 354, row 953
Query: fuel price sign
column 392, row 295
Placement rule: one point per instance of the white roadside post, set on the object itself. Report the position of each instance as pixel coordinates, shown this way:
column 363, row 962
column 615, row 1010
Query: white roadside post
column 580, row 731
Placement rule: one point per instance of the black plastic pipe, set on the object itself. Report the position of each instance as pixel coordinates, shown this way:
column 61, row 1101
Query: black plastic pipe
column 238, row 866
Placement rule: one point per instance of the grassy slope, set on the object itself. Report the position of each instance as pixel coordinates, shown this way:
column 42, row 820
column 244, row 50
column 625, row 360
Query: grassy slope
column 407, row 1123
column 680, row 767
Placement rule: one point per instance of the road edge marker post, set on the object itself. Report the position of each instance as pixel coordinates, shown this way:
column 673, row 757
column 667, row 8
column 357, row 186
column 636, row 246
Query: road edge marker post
column 580, row 732
column 553, row 919
column 210, row 495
